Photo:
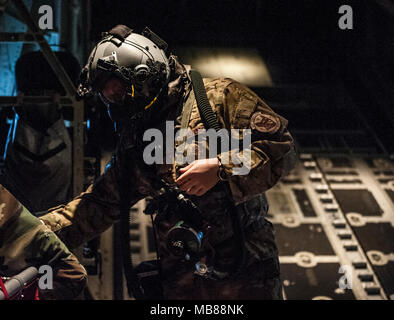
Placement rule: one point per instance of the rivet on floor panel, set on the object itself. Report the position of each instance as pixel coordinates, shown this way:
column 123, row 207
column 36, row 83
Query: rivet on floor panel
column 305, row 259
column 355, row 219
column 325, row 162
column 290, row 221
column 377, row 258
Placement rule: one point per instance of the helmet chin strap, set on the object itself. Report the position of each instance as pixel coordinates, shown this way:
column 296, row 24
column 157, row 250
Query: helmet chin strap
column 152, row 102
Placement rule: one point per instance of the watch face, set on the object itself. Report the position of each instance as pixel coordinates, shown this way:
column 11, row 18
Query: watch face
column 222, row 174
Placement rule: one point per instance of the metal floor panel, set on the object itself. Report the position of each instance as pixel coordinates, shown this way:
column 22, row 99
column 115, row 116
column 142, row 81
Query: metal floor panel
column 377, row 240
column 339, row 212
column 317, row 232
column 376, row 236
column 358, row 200
column 318, row 283
column 304, row 203
column 306, row 237
column 386, row 276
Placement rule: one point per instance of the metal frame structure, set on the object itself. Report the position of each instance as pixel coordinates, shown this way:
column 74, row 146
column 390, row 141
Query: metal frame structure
column 37, row 36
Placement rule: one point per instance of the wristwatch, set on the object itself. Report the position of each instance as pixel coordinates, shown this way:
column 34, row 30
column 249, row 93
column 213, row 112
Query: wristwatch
column 222, row 174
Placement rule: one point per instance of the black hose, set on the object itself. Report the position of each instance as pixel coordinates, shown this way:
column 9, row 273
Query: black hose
column 207, row 115
column 210, row 121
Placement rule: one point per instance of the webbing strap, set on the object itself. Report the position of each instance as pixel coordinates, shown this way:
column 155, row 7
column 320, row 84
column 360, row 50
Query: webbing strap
column 187, row 111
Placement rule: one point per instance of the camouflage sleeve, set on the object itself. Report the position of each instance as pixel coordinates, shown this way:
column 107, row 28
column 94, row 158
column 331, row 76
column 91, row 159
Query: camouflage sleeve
column 69, row 276
column 25, row 241
column 90, row 213
column 272, row 151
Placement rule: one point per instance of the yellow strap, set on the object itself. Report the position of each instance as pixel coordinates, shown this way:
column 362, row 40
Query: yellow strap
column 152, row 102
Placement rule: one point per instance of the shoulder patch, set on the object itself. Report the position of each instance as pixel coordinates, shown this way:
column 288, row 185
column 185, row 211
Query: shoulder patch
column 264, row 123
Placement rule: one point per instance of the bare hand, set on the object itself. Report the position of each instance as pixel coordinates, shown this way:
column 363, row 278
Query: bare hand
column 199, row 176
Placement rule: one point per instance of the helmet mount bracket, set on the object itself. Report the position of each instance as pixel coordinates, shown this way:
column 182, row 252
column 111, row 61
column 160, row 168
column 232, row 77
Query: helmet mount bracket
column 161, row 44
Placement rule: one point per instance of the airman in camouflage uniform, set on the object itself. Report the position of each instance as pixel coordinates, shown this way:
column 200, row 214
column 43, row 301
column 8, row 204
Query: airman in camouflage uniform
column 25, row 241
column 272, row 154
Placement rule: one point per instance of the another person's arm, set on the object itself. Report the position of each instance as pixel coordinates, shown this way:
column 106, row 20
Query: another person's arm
column 92, row 212
column 26, row 241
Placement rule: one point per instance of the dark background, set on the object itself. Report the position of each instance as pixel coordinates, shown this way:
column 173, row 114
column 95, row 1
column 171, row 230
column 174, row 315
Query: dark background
column 334, row 86
column 338, row 72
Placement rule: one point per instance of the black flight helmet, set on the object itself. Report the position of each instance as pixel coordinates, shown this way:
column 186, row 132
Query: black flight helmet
column 126, row 70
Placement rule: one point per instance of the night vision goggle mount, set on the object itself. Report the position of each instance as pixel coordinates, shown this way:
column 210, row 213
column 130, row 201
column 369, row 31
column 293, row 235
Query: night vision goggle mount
column 152, row 72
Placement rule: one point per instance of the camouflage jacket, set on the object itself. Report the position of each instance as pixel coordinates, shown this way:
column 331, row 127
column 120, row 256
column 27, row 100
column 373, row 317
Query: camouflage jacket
column 272, row 155
column 25, row 241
